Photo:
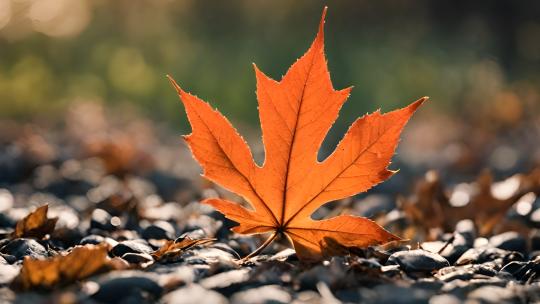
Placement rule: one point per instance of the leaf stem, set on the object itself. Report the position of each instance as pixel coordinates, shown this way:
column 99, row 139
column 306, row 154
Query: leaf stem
column 261, row 248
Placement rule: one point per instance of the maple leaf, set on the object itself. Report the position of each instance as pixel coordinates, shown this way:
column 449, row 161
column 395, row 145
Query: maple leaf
column 296, row 114
column 35, row 225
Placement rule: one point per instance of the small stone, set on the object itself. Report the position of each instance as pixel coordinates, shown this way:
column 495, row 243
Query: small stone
column 227, row 282
column 10, row 259
column 6, row 200
column 159, row 230
column 418, row 261
column 482, row 255
column 329, row 272
column 101, row 220
column 459, row 244
column 510, row 241
column 389, row 293
column 444, row 299
column 220, row 260
column 522, row 271
column 8, row 296
column 535, row 218
column 137, row 258
column 226, row 248
column 535, row 240
column 284, row 255
column 194, row 234
column 92, row 239
column 8, row 273
column 390, row 270
column 494, row 294
column 20, row 248
column 466, row 272
column 265, row 294
column 7, row 220
column 192, row 294
column 131, row 246
column 127, row 287
column 308, row 297
column 461, row 288
column 467, row 229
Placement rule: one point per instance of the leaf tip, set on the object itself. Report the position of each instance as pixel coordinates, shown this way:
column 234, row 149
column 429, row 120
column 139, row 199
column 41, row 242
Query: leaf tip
column 415, row 105
column 320, row 34
column 175, row 84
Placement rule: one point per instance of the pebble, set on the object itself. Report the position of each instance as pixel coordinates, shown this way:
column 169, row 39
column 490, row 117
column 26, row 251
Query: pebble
column 461, row 288
column 510, row 241
column 309, row 297
column 101, row 220
column 487, row 254
column 535, row 240
column 7, row 295
column 455, row 249
column 226, row 248
column 6, row 200
column 8, row 273
column 444, row 299
column 19, row 248
column 274, row 294
column 137, row 258
column 126, row 287
column 7, row 220
column 159, row 230
column 132, row 246
column 390, row 293
column 418, row 261
column 194, row 294
column 92, row 239
column 494, row 294
column 328, row 273
column 523, row 271
column 466, row 272
column 227, row 282
column 219, row 259
column 467, row 230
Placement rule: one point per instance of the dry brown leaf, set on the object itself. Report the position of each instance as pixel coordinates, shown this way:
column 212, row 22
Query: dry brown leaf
column 172, row 249
column 35, row 225
column 433, row 207
column 80, row 263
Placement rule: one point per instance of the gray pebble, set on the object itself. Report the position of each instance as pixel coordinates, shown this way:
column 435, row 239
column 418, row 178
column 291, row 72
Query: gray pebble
column 19, row 248
column 418, row 261
column 194, row 294
column 131, row 246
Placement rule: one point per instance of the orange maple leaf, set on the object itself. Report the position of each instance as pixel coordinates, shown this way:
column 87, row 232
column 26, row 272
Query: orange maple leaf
column 296, row 114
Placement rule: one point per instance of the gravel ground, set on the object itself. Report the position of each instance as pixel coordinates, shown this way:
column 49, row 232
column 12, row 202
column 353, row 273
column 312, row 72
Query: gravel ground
column 132, row 195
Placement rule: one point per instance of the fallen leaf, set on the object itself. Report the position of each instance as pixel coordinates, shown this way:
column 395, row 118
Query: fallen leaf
column 172, row 249
column 80, row 263
column 35, row 225
column 296, row 114
column 433, row 209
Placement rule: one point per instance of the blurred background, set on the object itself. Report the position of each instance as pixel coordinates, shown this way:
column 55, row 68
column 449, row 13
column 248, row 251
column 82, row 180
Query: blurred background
column 479, row 61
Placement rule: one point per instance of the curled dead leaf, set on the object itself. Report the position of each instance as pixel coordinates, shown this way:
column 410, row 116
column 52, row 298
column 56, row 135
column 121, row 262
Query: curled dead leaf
column 35, row 225
column 172, row 249
column 436, row 208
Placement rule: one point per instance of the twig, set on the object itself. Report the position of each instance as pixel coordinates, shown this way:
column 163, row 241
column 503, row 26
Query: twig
column 261, row 248
column 448, row 242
